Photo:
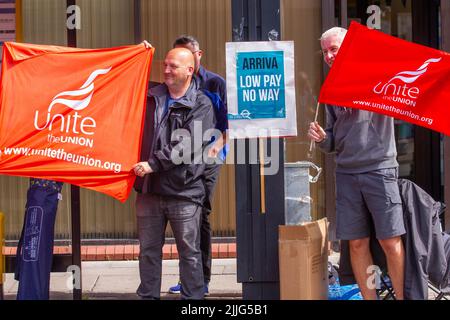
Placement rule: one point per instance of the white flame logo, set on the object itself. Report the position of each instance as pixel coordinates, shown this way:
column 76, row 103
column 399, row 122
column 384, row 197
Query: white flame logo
column 86, row 88
column 411, row 76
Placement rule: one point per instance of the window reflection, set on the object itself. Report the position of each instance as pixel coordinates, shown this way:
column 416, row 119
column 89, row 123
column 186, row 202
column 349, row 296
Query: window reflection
column 392, row 17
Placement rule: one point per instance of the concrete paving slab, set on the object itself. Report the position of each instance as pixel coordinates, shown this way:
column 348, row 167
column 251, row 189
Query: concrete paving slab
column 61, row 282
column 225, row 283
column 170, row 271
column 229, row 269
column 110, row 269
column 215, row 269
column 10, row 284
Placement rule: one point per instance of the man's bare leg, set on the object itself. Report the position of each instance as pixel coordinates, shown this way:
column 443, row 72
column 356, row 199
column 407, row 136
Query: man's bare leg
column 395, row 256
column 361, row 259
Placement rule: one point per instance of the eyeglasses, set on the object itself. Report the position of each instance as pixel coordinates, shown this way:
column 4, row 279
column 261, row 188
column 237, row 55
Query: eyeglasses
column 187, row 47
column 173, row 67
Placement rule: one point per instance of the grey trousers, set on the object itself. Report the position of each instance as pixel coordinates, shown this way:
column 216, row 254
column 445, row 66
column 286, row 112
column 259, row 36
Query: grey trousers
column 153, row 212
column 211, row 175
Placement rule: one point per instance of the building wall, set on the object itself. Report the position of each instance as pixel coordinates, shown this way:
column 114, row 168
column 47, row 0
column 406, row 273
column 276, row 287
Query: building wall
column 44, row 22
column 107, row 23
column 301, row 21
column 210, row 22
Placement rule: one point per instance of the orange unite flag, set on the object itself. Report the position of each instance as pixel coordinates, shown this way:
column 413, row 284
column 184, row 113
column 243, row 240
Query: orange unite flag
column 73, row 115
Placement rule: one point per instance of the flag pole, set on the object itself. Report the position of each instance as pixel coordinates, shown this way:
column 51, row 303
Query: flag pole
column 75, row 206
column 315, row 120
column 262, row 176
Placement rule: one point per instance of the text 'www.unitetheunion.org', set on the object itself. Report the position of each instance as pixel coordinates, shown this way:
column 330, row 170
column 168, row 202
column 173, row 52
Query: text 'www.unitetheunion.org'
column 60, row 154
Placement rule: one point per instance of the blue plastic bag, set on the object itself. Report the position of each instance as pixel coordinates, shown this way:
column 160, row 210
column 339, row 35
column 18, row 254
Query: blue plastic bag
column 349, row 292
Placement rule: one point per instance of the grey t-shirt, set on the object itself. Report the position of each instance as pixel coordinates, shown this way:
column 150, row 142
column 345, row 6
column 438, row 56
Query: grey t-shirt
column 363, row 141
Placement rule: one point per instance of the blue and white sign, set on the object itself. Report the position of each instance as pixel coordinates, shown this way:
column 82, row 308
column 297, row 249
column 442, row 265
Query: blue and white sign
column 261, row 89
column 260, row 77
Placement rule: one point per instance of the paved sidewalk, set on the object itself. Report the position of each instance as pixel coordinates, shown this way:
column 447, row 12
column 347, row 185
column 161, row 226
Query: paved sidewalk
column 120, row 279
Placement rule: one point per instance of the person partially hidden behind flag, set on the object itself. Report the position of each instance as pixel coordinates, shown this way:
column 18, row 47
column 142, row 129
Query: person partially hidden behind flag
column 170, row 190
column 35, row 249
column 366, row 181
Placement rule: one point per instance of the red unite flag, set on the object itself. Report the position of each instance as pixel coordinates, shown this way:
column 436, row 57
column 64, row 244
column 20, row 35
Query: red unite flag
column 380, row 73
column 73, row 115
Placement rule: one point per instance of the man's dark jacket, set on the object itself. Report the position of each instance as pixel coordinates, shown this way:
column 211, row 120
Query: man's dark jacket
column 426, row 252
column 184, row 181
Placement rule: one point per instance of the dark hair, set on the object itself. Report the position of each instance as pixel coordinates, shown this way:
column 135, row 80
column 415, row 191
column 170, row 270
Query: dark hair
column 186, row 39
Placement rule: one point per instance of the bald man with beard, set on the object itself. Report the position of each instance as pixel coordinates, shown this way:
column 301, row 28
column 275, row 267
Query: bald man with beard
column 167, row 189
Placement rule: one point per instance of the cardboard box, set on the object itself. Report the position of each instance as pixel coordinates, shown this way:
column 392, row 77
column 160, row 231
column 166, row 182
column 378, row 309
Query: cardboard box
column 303, row 258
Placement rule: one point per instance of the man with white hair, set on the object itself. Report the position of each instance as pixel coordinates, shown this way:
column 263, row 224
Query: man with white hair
column 367, row 192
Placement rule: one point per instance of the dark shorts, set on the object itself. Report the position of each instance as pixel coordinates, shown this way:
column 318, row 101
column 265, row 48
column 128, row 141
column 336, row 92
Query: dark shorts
column 365, row 198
